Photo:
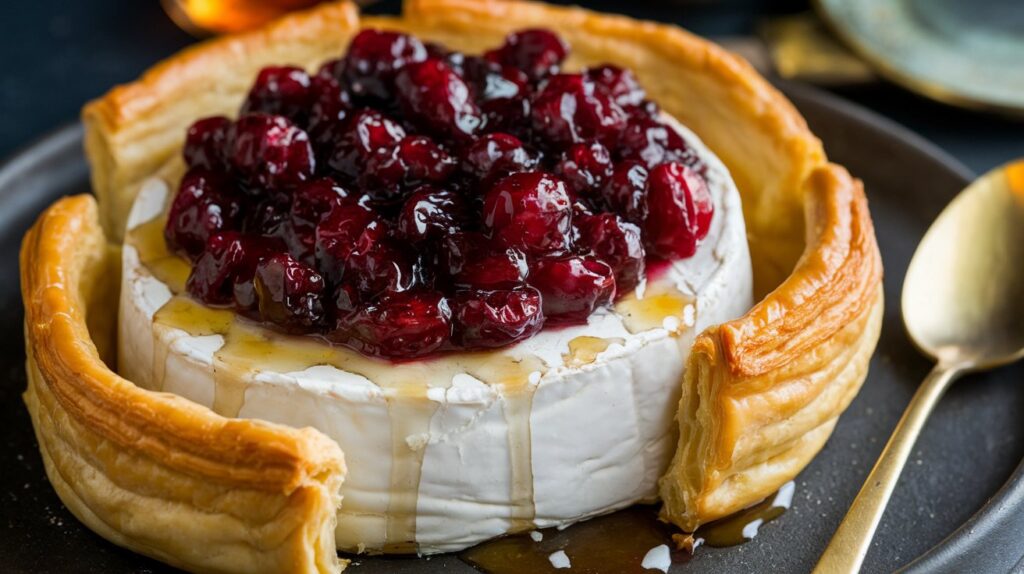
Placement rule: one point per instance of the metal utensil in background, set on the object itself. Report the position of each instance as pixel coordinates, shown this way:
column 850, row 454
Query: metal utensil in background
column 963, row 305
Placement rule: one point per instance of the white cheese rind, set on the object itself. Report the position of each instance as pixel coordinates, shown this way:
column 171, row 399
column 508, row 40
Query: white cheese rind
column 600, row 434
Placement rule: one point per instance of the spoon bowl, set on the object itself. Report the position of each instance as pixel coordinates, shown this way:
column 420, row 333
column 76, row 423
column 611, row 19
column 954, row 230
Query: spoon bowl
column 963, row 296
column 963, row 305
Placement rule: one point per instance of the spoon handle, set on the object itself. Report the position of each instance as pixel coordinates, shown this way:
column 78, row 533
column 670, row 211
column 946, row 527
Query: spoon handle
column 850, row 544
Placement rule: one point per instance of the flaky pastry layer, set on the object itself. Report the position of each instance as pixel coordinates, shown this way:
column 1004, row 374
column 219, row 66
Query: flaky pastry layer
column 172, row 480
column 152, row 471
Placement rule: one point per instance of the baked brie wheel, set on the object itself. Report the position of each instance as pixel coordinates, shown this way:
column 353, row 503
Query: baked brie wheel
column 169, row 478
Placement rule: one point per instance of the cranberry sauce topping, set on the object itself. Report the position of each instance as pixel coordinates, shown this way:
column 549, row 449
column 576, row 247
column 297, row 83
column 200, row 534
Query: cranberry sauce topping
column 406, row 199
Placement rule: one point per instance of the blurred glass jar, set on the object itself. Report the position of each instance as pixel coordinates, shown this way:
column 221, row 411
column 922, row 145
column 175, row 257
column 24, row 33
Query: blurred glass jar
column 206, row 17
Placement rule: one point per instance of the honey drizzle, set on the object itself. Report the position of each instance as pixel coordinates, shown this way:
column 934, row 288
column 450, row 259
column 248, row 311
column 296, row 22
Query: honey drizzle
column 410, row 429
column 584, row 349
column 518, row 406
column 159, row 366
column 168, row 267
column 659, row 302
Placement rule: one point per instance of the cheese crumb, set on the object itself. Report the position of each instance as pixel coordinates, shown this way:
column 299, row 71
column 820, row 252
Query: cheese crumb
column 657, row 558
column 537, row 536
column 559, row 560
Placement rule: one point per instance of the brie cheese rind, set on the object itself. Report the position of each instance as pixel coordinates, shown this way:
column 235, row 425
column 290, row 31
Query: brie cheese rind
column 573, row 422
column 170, row 479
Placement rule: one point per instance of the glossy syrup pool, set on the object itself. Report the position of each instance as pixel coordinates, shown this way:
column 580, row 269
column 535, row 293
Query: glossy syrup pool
column 620, row 541
column 248, row 348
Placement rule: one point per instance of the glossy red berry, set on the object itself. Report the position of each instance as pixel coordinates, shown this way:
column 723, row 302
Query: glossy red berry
column 487, row 319
column 374, row 57
column 652, row 142
column 330, row 106
column 497, row 155
column 385, row 268
column 366, row 133
column 437, row 100
column 585, row 167
column 206, row 142
column 502, row 92
column 206, row 203
column 536, row 52
column 229, row 257
column 413, row 161
column 530, row 211
column 573, row 286
column 288, row 293
column 431, row 214
column 471, row 261
column 270, row 151
column 282, row 91
column 618, row 83
column 568, row 109
column 616, row 242
column 625, row 192
column 343, row 231
column 679, row 211
column 310, row 203
column 399, row 325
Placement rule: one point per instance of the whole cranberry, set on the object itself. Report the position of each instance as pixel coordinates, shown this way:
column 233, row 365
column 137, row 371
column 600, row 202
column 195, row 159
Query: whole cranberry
column 572, row 287
column 437, row 100
column 430, row 213
column 493, row 156
column 537, row 52
column 471, row 261
column 270, row 151
column 618, row 83
column 373, row 59
column 616, row 242
column 206, row 203
column 414, row 161
column 679, row 210
column 366, row 133
column 268, row 216
column 487, row 319
column 206, row 143
column 329, row 107
column 502, row 92
column 585, row 167
column 282, row 91
column 652, row 142
column 310, row 203
column 344, row 230
column 384, row 268
column 227, row 258
column 531, row 211
column 399, row 325
column 289, row 293
column 568, row 109
column 625, row 191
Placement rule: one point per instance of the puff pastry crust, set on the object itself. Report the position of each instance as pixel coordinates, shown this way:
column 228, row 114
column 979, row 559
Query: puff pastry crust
column 172, row 480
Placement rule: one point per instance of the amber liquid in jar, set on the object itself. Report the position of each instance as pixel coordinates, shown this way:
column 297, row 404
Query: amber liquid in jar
column 206, row 17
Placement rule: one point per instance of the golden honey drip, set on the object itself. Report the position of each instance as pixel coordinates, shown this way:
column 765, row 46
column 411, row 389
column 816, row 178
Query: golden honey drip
column 657, row 304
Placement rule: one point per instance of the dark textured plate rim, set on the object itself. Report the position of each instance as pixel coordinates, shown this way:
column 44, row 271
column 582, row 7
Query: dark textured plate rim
column 984, row 532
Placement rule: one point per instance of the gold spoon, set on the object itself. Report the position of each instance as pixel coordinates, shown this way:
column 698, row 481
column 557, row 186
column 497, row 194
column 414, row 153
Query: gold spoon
column 963, row 305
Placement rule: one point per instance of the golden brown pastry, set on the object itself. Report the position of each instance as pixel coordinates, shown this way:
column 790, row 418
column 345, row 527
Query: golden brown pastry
column 151, row 471
column 172, row 480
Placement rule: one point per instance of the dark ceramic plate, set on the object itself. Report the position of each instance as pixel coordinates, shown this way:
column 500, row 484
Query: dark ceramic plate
column 941, row 517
